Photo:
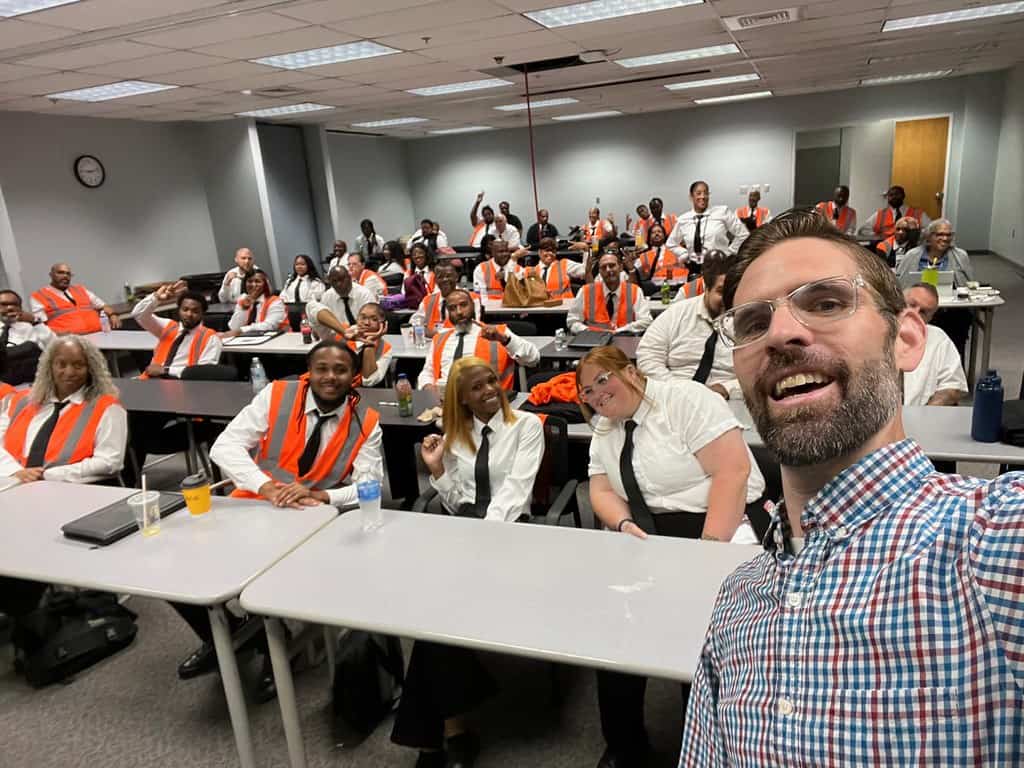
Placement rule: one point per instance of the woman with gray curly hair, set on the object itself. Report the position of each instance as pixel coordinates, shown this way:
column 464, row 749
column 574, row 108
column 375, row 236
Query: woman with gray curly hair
column 939, row 252
column 70, row 425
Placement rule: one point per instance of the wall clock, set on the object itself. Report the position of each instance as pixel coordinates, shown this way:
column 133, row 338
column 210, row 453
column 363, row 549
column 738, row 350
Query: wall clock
column 90, row 171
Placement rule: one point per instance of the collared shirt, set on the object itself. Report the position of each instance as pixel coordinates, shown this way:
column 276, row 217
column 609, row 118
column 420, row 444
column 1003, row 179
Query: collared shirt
column 441, row 241
column 521, row 350
column 421, row 310
column 276, row 312
column 514, row 455
column 939, row 368
column 369, row 246
column 108, row 451
column 331, row 301
column 231, row 290
column 538, row 232
column 893, row 638
column 642, row 309
column 143, row 314
column 674, row 421
column 673, row 346
column 480, row 283
column 233, row 449
column 716, row 224
column 383, row 363
column 954, row 259
column 39, row 334
column 573, row 269
column 39, row 311
column 373, row 282
column 510, row 235
column 302, row 289
column 868, row 228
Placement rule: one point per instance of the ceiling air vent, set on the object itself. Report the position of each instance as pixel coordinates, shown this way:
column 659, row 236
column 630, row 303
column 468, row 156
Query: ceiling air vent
column 766, row 19
column 281, row 92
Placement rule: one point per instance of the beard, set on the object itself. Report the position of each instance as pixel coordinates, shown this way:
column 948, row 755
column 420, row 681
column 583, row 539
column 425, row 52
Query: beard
column 815, row 434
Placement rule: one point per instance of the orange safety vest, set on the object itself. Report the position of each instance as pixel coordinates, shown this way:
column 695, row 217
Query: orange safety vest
column 478, row 234
column 431, row 308
column 492, row 285
column 759, row 214
column 380, row 350
column 595, row 313
column 280, row 448
column 667, row 260
column 367, row 275
column 668, row 222
column 492, row 351
column 884, row 246
column 73, row 439
column 599, row 229
column 195, row 349
column 693, row 288
column 828, row 210
column 558, row 284
column 886, row 218
column 265, row 305
column 5, row 389
column 64, row 316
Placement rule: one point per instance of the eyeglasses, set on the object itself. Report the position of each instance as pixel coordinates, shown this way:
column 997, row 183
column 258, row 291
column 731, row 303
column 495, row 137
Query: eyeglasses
column 814, row 305
column 944, row 234
column 600, row 382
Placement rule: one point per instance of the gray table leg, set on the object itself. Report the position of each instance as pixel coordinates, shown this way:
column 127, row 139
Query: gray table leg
column 232, row 685
column 285, row 691
column 115, row 368
column 192, row 455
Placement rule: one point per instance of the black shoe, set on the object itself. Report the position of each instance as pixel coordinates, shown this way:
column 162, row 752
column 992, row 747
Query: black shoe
column 613, row 759
column 266, row 688
column 203, row 661
column 435, row 759
column 463, row 750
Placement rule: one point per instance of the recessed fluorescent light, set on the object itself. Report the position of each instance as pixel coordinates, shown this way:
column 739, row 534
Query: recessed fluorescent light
column 537, row 104
column 906, row 78
column 736, row 97
column 598, row 10
column 9, row 8
column 466, row 129
column 949, row 17
column 589, row 115
column 713, row 81
column 388, row 123
column 671, row 56
column 111, row 91
column 471, row 85
column 334, row 54
column 291, row 109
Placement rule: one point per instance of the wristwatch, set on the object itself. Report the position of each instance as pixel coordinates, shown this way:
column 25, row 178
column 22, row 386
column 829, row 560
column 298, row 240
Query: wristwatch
column 623, row 521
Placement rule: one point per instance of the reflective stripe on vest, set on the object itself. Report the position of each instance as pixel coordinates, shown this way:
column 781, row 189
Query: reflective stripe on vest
column 492, row 351
column 379, row 351
column 62, row 316
column 195, row 347
column 72, row 440
column 744, row 213
column 693, row 288
column 558, row 284
column 828, row 211
column 491, row 283
column 595, row 313
column 885, row 219
column 478, row 234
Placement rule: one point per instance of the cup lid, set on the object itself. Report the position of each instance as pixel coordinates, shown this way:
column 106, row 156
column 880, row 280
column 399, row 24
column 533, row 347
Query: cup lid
column 195, row 481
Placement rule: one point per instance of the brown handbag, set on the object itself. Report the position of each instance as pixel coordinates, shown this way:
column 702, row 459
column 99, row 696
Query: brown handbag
column 524, row 291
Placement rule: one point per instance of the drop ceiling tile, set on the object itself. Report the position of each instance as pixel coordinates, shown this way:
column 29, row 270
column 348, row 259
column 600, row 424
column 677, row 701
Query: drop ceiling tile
column 302, row 39
column 422, row 17
column 15, row 33
column 198, row 34
column 56, row 83
column 27, row 104
column 100, row 14
column 338, row 10
column 429, row 73
column 10, row 72
column 252, row 82
column 93, row 55
column 172, row 96
column 458, row 34
column 219, row 72
column 695, row 19
column 322, row 84
column 516, row 49
column 172, row 61
column 352, row 70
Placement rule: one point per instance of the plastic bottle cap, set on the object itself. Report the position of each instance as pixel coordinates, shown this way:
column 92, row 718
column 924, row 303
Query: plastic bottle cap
column 197, row 480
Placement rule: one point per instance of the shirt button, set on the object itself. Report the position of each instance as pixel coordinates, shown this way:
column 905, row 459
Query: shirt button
column 842, row 532
column 784, row 707
column 794, row 599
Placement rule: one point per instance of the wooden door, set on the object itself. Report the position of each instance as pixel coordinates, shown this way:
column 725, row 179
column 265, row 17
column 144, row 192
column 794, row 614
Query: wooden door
column 919, row 162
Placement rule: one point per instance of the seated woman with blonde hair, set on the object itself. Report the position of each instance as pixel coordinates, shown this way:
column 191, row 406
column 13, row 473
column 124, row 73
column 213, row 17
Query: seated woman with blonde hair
column 666, row 458
column 484, row 467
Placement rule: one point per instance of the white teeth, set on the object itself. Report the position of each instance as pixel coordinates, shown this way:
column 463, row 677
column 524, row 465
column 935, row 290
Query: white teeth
column 798, row 380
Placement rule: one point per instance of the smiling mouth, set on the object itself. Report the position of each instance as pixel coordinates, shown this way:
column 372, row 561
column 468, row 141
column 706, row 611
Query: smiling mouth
column 799, row 384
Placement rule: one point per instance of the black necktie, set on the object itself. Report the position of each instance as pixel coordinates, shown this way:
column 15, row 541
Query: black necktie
column 654, row 263
column 544, row 275
column 348, row 310
column 835, row 213
column 459, row 345
column 482, row 474
column 444, row 310
column 70, row 298
column 707, row 359
column 638, row 508
column 169, row 360
column 37, row 453
column 698, row 241
column 313, row 443
column 609, row 305
column 252, row 314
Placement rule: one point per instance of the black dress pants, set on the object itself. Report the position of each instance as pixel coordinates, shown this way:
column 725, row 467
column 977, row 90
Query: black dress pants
column 198, row 617
column 18, row 596
column 620, row 697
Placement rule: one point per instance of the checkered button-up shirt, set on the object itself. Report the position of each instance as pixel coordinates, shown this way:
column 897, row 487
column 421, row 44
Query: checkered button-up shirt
column 895, row 637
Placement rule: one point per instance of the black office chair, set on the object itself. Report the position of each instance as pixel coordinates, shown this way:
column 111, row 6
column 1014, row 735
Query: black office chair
column 393, row 280
column 521, row 327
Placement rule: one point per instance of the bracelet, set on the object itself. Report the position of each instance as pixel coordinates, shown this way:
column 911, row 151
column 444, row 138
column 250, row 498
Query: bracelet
column 623, row 521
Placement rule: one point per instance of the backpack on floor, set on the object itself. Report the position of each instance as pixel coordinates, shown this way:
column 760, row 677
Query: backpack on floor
column 368, row 675
column 69, row 632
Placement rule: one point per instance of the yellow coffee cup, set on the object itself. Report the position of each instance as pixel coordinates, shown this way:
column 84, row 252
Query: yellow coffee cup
column 196, row 490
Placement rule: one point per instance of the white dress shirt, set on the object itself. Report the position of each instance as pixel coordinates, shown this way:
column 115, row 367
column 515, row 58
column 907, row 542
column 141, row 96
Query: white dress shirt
column 716, row 223
column 276, row 313
column 39, row 334
column 417, row 237
column 391, row 268
column 374, row 283
column 514, row 454
column 939, row 368
column 331, row 301
column 39, row 311
column 420, row 315
column 574, row 320
column 363, row 245
column 143, row 314
column 234, row 288
column 573, row 269
column 302, row 289
column 232, row 451
column 521, row 350
column 108, row 445
column 674, row 421
column 510, row 236
column 480, row 283
column 868, row 228
column 383, row 364
column 674, row 345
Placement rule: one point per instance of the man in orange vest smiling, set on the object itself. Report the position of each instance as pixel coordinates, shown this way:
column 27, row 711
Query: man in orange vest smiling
column 609, row 303
column 556, row 273
column 68, row 308
column 182, row 343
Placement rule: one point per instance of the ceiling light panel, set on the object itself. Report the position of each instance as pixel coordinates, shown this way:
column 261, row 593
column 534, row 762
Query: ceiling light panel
column 906, row 78
column 9, row 8
column 335, row 54
column 291, row 109
column 110, row 91
column 392, row 122
column 464, row 129
column 673, row 56
column 732, row 79
column 736, row 97
column 599, row 10
column 537, row 104
column 471, row 85
column 951, row 17
column 589, row 115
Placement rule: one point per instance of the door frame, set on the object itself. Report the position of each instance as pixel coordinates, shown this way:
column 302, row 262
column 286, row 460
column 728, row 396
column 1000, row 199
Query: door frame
column 949, row 150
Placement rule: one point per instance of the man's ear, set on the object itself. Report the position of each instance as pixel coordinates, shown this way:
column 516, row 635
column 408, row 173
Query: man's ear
column 911, row 335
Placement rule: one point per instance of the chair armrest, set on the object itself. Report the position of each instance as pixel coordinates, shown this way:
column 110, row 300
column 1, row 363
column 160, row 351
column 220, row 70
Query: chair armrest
column 588, row 519
column 561, row 502
column 420, row 505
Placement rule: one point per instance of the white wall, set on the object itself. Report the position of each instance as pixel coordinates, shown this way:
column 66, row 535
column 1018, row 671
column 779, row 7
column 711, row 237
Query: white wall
column 627, row 160
column 148, row 222
column 870, row 165
column 370, row 182
column 1007, row 228
column 983, row 112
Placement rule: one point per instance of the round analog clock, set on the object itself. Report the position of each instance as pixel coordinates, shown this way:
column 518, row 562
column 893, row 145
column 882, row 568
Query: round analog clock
column 90, row 171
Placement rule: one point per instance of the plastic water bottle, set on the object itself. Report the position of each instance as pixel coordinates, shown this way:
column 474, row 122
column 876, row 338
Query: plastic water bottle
column 666, row 293
column 419, row 333
column 403, row 391
column 368, row 489
column 987, row 420
column 104, row 323
column 561, row 341
column 257, row 376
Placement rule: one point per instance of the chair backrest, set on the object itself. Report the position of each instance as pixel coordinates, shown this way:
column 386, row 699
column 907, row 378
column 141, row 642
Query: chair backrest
column 393, row 279
column 554, row 464
column 521, row 327
column 219, row 372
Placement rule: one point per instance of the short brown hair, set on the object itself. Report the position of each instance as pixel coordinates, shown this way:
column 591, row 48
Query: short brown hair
column 796, row 223
column 547, row 244
column 716, row 264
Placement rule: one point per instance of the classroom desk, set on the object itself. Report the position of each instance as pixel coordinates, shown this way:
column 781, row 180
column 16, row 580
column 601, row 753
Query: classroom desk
column 203, row 561
column 627, row 344
column 493, row 309
column 617, row 603
column 984, row 307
